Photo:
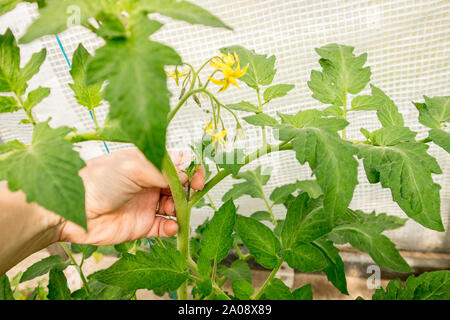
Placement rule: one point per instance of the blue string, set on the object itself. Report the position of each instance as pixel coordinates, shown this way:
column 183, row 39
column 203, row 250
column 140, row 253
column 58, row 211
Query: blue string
column 92, row 116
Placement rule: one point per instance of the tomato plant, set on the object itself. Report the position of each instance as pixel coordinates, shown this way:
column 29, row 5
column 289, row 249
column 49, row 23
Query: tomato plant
column 129, row 72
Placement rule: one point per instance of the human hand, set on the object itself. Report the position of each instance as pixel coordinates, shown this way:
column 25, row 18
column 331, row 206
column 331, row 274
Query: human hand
column 124, row 192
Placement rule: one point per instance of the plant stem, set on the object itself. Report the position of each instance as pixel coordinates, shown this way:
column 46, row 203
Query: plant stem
column 272, row 216
column 182, row 102
column 224, row 173
column 211, row 202
column 80, row 271
column 268, row 281
column 260, row 105
column 344, row 103
column 183, row 214
column 89, row 136
column 95, row 119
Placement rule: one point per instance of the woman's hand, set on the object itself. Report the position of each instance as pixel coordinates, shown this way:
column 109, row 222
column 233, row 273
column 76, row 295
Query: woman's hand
column 124, row 192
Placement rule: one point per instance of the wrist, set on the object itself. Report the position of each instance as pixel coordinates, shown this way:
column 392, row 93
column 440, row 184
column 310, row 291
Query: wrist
column 25, row 228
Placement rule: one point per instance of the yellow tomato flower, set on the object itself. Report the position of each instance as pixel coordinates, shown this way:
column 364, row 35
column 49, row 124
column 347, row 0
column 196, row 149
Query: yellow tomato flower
column 217, row 137
column 225, row 65
column 177, row 75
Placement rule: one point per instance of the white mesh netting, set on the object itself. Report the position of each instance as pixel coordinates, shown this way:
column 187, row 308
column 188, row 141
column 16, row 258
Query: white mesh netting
column 408, row 46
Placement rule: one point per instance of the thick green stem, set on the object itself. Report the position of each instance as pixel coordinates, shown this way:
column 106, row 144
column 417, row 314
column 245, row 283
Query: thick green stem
column 89, row 136
column 269, row 208
column 268, row 281
column 80, row 271
column 344, row 136
column 183, row 214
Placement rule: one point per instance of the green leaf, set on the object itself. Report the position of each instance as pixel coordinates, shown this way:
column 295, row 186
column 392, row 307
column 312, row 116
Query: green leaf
column 88, row 96
column 55, row 17
column 277, row 91
column 305, row 257
column 261, row 69
column 8, row 104
column 427, row 286
column 11, row 145
column 137, row 87
column 34, row 64
column 163, row 266
column 231, row 161
column 85, row 249
column 112, row 130
column 342, row 73
column 239, row 270
column 244, row 106
column 305, row 221
column 35, row 97
column 261, row 119
column 280, row 194
column 441, row 138
column 260, row 241
column 303, row 293
column 434, row 111
column 11, row 79
column 261, row 216
column 49, row 158
column 183, row 10
column 8, row 5
column 277, row 290
column 57, row 286
column 377, row 222
column 335, row 270
column 311, row 187
column 242, row 289
column 365, row 103
column 217, row 240
column 387, row 111
column 406, row 169
column 333, row 111
column 378, row 246
column 391, row 136
column 252, row 187
column 101, row 291
column 5, row 288
column 315, row 142
column 43, row 266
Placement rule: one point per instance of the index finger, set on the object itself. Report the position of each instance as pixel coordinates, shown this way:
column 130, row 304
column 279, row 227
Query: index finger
column 198, row 180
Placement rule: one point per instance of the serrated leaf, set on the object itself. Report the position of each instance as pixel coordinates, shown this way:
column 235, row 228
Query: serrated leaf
column 183, row 10
column 252, row 187
column 101, row 291
column 49, row 158
column 88, row 96
column 335, row 270
column 244, row 106
column 35, row 97
column 305, row 257
column 441, row 138
column 342, row 73
column 261, row 119
column 378, row 246
column 85, row 249
column 111, row 130
column 314, row 142
column 305, row 221
column 277, row 91
column 5, row 288
column 34, row 64
column 377, row 222
column 387, row 111
column 8, row 104
column 56, row 16
column 427, row 286
column 277, row 290
column 43, row 266
column 280, row 194
column 239, row 270
column 260, row 241
column 11, row 79
column 57, row 286
column 406, row 169
column 391, row 136
column 261, row 216
column 137, row 87
column 303, row 293
column 163, row 266
column 11, row 145
column 311, row 187
column 434, row 111
column 261, row 69
column 242, row 289
column 204, row 265
column 333, row 111
column 364, row 103
column 217, row 239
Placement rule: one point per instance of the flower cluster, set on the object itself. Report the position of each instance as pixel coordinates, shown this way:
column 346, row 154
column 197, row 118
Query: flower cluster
column 225, row 65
